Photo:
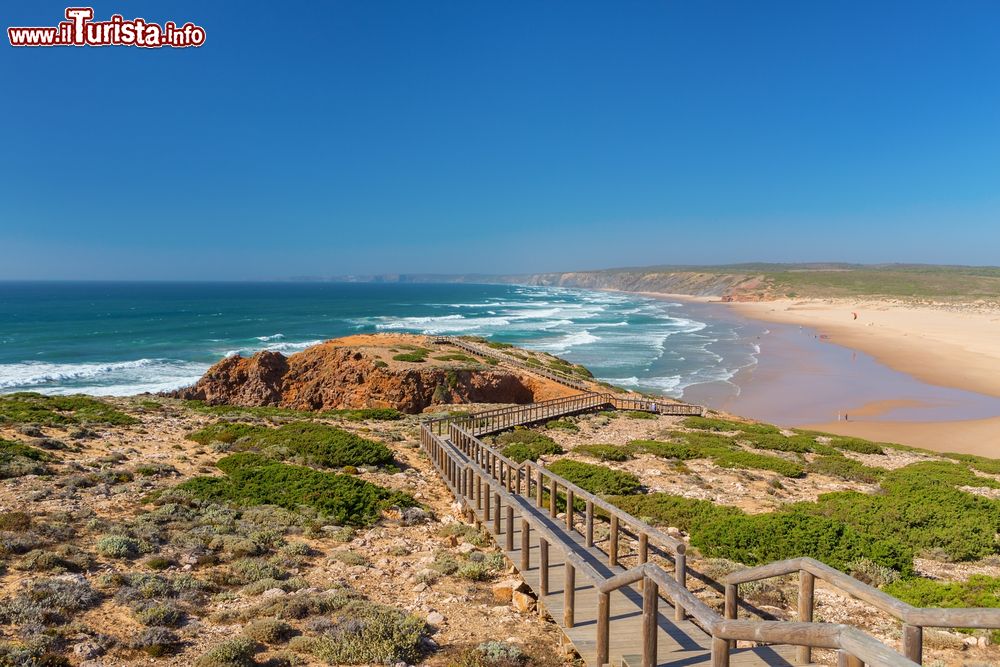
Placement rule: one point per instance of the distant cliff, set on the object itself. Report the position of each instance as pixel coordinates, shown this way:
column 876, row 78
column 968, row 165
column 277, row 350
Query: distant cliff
column 735, row 286
column 693, row 283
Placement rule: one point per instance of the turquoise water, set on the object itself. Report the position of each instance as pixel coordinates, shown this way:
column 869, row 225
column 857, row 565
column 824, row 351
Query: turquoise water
column 128, row 338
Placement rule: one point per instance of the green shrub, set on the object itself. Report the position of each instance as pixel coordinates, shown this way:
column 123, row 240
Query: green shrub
column 604, row 452
column 668, row 510
column 365, row 414
column 33, row 408
column 744, row 459
column 228, row 432
column 493, row 654
column 799, row 444
column 238, row 652
column 118, row 546
column 665, row 450
column 165, row 615
column 713, row 424
column 326, row 446
column 597, row 479
column 523, row 445
column 845, row 468
column 314, row 443
column 370, row 633
column 563, row 424
column 251, row 480
column 18, row 459
column 856, row 445
column 977, row 591
column 763, row 538
column 412, row 357
column 269, row 631
column 456, row 356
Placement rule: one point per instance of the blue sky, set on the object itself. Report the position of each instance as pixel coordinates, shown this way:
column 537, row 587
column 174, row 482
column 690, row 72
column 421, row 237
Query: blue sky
column 456, row 136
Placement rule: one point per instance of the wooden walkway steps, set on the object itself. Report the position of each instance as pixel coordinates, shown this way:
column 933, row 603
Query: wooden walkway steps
column 623, row 608
column 679, row 643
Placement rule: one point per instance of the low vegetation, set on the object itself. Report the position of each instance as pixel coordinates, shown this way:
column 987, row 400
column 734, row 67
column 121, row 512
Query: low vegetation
column 253, row 479
column 597, row 479
column 32, row 408
column 17, row 459
column 523, row 444
column 308, row 443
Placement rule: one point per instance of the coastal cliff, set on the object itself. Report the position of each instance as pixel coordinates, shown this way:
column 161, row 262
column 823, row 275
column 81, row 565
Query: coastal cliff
column 692, row 283
column 365, row 372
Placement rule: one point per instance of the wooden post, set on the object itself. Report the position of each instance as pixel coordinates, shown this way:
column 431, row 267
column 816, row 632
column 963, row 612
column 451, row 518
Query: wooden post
column 488, row 502
column 732, row 605
column 807, row 585
column 680, row 574
column 613, row 542
column 525, row 546
column 553, row 492
column 510, row 529
column 913, row 643
column 479, row 491
column 650, row 600
column 845, row 659
column 720, row 652
column 543, row 567
column 496, row 513
column 590, row 523
column 643, row 556
column 569, row 595
column 569, row 510
column 538, row 487
column 603, row 627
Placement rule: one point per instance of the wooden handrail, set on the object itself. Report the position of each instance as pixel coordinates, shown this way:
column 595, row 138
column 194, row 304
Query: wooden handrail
column 922, row 616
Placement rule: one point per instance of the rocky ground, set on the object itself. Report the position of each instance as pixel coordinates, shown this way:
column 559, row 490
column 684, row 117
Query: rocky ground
column 103, row 478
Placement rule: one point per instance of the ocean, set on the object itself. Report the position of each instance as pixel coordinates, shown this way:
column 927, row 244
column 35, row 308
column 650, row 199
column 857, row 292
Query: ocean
column 129, row 338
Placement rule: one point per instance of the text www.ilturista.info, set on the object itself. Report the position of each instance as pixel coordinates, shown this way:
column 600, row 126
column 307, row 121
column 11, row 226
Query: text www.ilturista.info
column 81, row 30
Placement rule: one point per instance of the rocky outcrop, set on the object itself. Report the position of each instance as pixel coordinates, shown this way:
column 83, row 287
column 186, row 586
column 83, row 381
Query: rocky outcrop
column 330, row 376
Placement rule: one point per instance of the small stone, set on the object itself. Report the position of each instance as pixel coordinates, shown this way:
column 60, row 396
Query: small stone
column 87, row 650
column 419, row 588
column 466, row 548
column 272, row 593
column 523, row 602
column 503, row 591
column 435, row 618
column 673, row 531
column 450, row 541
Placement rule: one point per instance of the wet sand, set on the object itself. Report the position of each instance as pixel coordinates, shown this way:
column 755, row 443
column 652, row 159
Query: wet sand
column 804, row 378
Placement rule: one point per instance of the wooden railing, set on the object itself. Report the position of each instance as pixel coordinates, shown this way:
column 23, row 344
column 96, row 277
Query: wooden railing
column 486, row 351
column 914, row 619
column 485, row 480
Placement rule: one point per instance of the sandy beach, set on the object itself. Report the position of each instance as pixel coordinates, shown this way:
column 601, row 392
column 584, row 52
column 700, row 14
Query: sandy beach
column 957, row 346
column 948, row 348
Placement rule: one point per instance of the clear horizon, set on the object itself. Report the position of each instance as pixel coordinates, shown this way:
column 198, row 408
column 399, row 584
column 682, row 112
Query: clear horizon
column 458, row 138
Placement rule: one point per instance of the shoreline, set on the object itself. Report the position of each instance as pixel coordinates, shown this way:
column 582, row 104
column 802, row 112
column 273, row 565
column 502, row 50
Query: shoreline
column 958, row 348
column 917, row 375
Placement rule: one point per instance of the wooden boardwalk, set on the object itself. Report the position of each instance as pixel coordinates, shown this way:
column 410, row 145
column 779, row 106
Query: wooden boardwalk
column 679, row 644
column 643, row 615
